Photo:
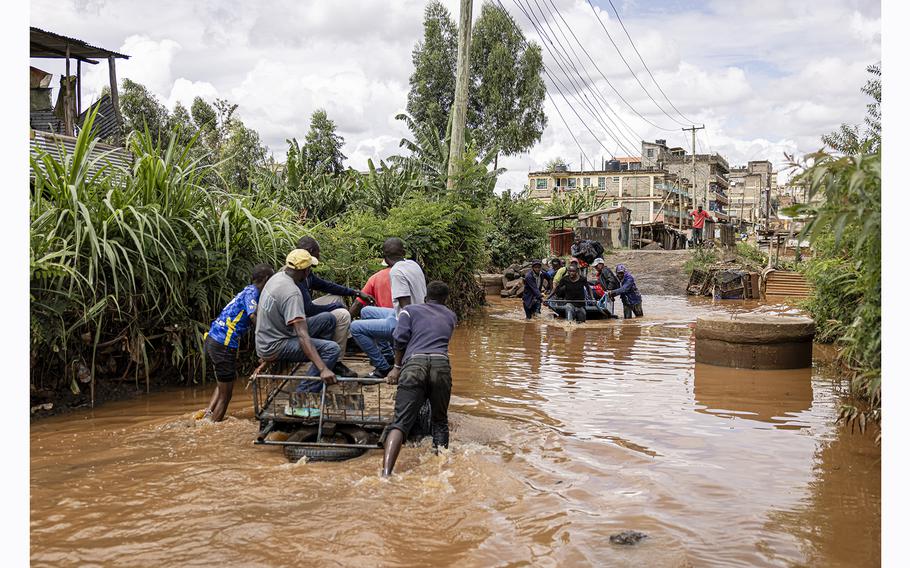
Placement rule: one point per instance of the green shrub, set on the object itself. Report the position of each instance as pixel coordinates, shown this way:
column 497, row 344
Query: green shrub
column 516, row 231
column 845, row 230
column 446, row 237
column 128, row 267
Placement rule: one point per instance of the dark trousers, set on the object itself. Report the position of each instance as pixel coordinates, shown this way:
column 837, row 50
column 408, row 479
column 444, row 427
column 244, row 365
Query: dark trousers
column 697, row 235
column 533, row 309
column 628, row 310
column 424, row 377
column 576, row 313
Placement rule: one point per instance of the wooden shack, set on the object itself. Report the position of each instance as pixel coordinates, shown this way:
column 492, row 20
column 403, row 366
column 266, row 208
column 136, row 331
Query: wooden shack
column 609, row 227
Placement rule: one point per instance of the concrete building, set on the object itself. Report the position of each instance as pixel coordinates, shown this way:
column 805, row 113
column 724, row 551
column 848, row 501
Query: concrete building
column 749, row 187
column 651, row 194
column 710, row 173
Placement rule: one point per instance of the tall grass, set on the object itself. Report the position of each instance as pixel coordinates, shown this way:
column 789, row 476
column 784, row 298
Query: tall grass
column 129, row 266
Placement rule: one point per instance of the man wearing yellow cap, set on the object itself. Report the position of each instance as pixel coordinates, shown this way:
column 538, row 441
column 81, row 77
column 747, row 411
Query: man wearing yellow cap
column 281, row 324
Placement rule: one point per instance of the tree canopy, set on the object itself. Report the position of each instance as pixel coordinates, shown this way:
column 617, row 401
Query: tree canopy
column 506, row 94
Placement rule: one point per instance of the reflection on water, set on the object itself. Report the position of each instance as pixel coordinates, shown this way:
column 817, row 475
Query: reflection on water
column 775, row 397
column 562, row 434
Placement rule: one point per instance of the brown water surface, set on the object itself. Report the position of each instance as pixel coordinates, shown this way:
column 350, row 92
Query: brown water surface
column 562, row 436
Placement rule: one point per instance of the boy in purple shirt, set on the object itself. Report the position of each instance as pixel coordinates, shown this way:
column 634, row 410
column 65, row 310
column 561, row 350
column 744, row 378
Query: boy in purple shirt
column 422, row 344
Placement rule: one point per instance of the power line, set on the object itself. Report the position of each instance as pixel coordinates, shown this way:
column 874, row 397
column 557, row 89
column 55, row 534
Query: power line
column 566, row 60
column 555, row 106
column 556, row 82
column 603, row 75
column 629, row 67
column 636, row 143
column 640, row 58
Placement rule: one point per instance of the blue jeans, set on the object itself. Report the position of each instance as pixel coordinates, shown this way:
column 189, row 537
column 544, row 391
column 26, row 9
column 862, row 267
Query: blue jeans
column 329, row 352
column 373, row 333
column 321, row 326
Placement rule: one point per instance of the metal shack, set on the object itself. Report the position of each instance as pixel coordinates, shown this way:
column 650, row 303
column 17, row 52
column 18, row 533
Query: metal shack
column 610, row 227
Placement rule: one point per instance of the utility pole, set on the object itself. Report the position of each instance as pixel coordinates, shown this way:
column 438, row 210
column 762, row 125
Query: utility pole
column 460, row 107
column 693, row 128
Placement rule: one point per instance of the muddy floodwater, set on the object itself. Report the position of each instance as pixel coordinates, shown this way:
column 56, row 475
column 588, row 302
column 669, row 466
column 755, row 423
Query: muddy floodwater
column 562, row 436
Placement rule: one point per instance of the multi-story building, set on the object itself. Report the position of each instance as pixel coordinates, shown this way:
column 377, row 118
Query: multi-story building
column 710, row 173
column 749, row 187
column 652, row 195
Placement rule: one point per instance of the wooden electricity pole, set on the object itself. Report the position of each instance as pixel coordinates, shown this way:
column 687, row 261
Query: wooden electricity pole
column 693, row 128
column 460, row 107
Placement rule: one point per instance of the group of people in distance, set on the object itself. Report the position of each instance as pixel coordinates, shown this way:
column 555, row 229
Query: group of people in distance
column 569, row 286
column 397, row 319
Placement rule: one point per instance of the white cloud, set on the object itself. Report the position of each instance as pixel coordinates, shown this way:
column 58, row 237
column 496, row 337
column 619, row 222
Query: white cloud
column 765, row 77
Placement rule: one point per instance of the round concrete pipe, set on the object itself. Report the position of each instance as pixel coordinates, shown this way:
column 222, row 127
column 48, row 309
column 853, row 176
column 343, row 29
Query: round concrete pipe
column 753, row 341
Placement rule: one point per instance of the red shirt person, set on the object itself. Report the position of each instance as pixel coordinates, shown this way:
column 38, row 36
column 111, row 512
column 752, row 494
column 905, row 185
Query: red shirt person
column 698, row 223
column 379, row 286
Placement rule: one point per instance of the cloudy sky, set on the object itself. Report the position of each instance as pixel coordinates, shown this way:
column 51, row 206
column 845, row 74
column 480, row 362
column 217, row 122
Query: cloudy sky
column 764, row 77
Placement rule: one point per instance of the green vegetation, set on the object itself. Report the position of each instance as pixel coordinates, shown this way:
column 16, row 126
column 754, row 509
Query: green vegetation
column 576, row 201
column 128, row 268
column 507, row 91
column 517, row 232
column 845, row 230
column 701, row 259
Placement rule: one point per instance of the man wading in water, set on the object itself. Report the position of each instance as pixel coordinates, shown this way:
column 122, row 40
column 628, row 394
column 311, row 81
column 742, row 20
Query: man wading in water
column 422, row 344
column 223, row 339
column 535, row 281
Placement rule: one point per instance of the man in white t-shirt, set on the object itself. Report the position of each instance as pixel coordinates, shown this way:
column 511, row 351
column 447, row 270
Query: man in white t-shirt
column 409, row 286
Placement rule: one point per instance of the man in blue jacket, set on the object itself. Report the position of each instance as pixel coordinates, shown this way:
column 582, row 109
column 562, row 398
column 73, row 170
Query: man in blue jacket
column 628, row 292
column 328, row 306
column 532, row 297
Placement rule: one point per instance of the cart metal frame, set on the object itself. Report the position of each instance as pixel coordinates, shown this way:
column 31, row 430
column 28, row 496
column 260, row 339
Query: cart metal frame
column 272, row 391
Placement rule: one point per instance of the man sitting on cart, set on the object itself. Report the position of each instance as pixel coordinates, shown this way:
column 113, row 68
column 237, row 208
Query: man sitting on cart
column 421, row 371
column 574, row 291
column 281, row 324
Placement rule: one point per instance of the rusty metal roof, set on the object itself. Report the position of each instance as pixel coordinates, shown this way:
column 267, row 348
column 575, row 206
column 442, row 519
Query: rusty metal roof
column 50, row 45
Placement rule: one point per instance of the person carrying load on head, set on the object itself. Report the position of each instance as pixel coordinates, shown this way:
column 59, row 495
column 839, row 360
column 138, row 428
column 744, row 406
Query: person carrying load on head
column 628, row 292
column 535, row 281
column 223, row 340
column 282, row 333
column 421, row 371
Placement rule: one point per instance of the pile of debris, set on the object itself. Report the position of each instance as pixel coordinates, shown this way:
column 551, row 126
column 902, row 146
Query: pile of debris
column 513, row 280
column 725, row 284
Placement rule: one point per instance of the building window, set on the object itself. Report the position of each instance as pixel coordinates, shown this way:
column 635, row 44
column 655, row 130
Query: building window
column 586, row 182
column 615, row 179
column 601, row 183
column 541, row 183
column 573, row 183
column 650, row 152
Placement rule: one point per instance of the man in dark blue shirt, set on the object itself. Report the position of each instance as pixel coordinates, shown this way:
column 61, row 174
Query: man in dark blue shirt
column 330, row 305
column 422, row 345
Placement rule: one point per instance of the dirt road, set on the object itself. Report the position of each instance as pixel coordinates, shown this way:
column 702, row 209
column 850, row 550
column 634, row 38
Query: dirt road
column 655, row 271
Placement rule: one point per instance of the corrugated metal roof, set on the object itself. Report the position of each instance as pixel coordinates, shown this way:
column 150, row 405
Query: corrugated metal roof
column 105, row 124
column 48, row 44
column 55, row 145
column 46, row 121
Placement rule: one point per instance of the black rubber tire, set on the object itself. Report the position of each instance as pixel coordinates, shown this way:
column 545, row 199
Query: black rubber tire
column 423, row 426
column 351, row 434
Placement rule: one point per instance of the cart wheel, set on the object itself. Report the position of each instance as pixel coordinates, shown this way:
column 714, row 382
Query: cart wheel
column 343, row 434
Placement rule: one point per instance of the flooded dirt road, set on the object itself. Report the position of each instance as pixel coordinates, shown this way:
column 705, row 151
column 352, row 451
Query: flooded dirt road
column 562, row 435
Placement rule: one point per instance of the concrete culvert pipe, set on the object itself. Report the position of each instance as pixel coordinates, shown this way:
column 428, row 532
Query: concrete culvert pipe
column 754, row 341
